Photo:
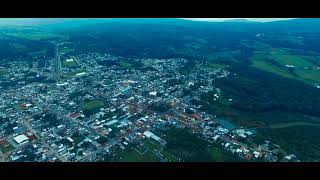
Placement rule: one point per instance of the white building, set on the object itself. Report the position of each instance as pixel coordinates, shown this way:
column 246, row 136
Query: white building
column 21, row 138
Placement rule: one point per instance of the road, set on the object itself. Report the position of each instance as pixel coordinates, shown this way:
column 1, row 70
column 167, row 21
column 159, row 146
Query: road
column 57, row 60
column 1, row 157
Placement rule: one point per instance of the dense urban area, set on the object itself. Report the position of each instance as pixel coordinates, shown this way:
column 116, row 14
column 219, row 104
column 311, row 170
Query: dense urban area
column 100, row 107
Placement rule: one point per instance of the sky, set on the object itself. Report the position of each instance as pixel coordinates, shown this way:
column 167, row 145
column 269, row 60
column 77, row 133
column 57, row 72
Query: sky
column 251, row 19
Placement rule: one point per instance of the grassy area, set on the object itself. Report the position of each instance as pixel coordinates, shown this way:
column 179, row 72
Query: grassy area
column 260, row 61
column 284, row 58
column 65, row 49
column 255, row 44
column 156, row 147
column 72, row 74
column 292, row 124
column 225, row 55
column 131, row 155
column 39, row 53
column 262, row 65
column 18, row 47
column 69, row 63
column 313, row 75
column 170, row 157
column 36, row 35
column 92, row 105
column 3, row 71
column 216, row 154
column 77, row 138
column 125, row 65
column 216, row 66
column 5, row 149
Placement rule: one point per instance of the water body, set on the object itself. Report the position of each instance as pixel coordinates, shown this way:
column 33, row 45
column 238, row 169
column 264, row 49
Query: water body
column 226, row 124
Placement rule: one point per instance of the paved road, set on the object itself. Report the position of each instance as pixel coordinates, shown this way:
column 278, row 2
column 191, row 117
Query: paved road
column 1, row 157
column 57, row 60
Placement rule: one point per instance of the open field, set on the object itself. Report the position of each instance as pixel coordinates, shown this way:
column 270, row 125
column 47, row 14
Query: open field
column 285, row 58
column 6, row 148
column 92, row 105
column 262, row 65
column 39, row 53
column 156, row 147
column 18, row 47
column 72, row 74
column 313, row 75
column 36, row 35
column 65, row 49
column 282, row 57
column 131, row 155
column 292, row 124
column 216, row 154
column 69, row 64
column 125, row 65
column 216, row 66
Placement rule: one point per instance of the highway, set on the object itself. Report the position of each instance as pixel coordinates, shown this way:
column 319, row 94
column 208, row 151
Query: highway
column 57, row 60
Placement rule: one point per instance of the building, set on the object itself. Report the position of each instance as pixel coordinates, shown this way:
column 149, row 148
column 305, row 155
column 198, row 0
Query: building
column 21, row 139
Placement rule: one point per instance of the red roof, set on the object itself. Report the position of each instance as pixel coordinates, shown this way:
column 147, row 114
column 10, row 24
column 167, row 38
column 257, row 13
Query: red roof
column 248, row 156
column 74, row 115
column 196, row 116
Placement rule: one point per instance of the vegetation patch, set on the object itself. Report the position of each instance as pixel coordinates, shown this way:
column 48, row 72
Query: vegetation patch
column 5, row 147
column 91, row 106
column 293, row 124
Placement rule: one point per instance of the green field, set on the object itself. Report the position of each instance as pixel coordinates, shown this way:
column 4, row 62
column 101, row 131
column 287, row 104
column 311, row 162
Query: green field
column 131, row 155
column 6, row 149
column 292, row 124
column 285, row 58
column 36, row 35
column 126, row 65
column 92, row 105
column 262, row 65
column 39, row 53
column 260, row 61
column 313, row 75
column 156, row 147
column 3, row 71
column 18, row 47
column 72, row 74
column 216, row 66
column 69, row 64
column 216, row 154
column 65, row 49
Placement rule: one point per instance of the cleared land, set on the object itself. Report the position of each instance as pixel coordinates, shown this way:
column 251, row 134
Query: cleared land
column 313, row 75
column 69, row 63
column 131, row 155
column 216, row 154
column 92, row 105
column 292, row 124
column 261, row 60
column 285, row 58
column 36, row 35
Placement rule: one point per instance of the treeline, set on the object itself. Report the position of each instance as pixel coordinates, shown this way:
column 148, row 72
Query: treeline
column 257, row 91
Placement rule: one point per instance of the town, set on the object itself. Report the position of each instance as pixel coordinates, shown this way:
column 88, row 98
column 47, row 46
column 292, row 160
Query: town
column 87, row 107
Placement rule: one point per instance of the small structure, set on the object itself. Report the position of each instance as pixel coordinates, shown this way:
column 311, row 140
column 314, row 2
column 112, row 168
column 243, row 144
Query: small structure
column 154, row 93
column 21, row 138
